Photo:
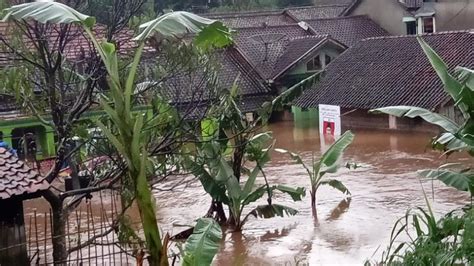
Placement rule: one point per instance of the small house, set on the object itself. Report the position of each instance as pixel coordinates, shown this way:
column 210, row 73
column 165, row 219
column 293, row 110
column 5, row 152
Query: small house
column 17, row 183
column 388, row 71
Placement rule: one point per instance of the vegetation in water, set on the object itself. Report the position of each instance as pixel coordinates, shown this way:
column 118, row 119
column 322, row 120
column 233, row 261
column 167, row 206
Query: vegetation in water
column 448, row 240
column 234, row 150
column 329, row 163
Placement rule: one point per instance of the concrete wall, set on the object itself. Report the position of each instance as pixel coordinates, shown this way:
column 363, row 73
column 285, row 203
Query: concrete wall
column 387, row 13
column 454, row 14
column 363, row 120
column 450, row 14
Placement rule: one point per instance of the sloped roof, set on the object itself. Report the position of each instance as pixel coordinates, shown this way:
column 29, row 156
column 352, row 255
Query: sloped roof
column 263, row 46
column 16, row 178
column 77, row 46
column 192, row 88
column 254, row 19
column 297, row 48
column 388, row 71
column 290, row 15
column 348, row 30
column 315, row 12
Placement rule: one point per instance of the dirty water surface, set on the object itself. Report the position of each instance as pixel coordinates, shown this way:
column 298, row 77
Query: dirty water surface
column 346, row 231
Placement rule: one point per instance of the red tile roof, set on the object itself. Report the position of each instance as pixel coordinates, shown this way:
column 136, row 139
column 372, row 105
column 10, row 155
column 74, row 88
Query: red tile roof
column 298, row 48
column 254, row 19
column 348, row 30
column 291, row 15
column 388, row 71
column 263, row 46
column 16, row 178
column 315, row 12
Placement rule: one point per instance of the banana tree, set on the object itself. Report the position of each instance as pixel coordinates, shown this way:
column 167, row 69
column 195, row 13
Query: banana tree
column 126, row 130
column 457, row 137
column 219, row 181
column 328, row 163
column 201, row 247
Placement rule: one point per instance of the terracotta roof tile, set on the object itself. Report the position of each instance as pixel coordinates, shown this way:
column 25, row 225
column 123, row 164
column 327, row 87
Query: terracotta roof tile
column 247, row 20
column 286, row 16
column 16, row 178
column 315, row 12
column 348, row 30
column 191, row 88
column 387, row 71
column 263, row 46
column 295, row 49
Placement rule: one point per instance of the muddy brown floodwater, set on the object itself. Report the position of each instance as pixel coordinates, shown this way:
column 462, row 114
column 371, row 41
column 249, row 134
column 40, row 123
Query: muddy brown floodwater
column 346, row 231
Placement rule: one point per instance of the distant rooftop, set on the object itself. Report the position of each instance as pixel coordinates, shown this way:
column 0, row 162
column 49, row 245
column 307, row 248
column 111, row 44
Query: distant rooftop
column 348, row 30
column 388, row 71
column 286, row 16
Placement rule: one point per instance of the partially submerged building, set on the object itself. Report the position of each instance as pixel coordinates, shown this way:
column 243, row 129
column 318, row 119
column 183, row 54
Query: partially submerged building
column 388, row 71
column 17, row 183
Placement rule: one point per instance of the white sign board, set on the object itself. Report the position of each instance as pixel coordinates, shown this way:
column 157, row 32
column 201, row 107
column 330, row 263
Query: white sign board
column 329, row 120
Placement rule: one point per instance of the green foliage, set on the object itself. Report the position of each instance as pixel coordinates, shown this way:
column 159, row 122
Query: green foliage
column 328, row 163
column 449, row 240
column 460, row 180
column 47, row 12
column 218, row 179
column 222, row 175
column 180, row 23
column 203, row 244
column 413, row 112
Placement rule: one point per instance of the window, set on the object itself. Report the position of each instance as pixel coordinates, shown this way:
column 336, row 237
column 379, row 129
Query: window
column 411, row 27
column 428, row 25
column 313, row 64
column 327, row 60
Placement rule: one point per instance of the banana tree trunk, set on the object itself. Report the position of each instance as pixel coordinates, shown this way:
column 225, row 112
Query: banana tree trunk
column 313, row 199
column 149, row 223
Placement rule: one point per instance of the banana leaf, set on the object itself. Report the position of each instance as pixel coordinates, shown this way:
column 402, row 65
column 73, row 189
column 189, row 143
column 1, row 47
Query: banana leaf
column 203, row 244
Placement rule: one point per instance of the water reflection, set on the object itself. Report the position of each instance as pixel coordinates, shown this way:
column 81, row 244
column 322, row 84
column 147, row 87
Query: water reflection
column 343, row 231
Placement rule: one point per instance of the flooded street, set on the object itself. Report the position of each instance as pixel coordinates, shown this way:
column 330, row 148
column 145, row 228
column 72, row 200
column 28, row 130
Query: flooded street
column 346, row 231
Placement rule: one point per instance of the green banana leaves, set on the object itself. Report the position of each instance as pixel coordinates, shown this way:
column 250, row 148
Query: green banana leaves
column 203, row 244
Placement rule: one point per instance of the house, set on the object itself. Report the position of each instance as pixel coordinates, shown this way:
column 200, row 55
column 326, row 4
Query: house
column 400, row 17
column 17, row 183
column 388, row 71
column 291, row 15
column 273, row 50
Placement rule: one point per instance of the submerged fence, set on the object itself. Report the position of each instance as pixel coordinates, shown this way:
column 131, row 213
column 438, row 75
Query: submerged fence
column 91, row 236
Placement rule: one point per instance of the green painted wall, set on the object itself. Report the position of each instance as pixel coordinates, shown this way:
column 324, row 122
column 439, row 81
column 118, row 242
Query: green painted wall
column 305, row 118
column 45, row 134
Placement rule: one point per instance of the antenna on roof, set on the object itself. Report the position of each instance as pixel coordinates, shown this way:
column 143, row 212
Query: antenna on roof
column 266, row 40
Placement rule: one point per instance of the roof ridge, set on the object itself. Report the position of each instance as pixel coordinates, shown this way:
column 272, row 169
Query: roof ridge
column 246, row 13
column 338, row 18
column 418, row 35
column 319, row 36
column 271, row 26
column 266, row 11
column 311, row 6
